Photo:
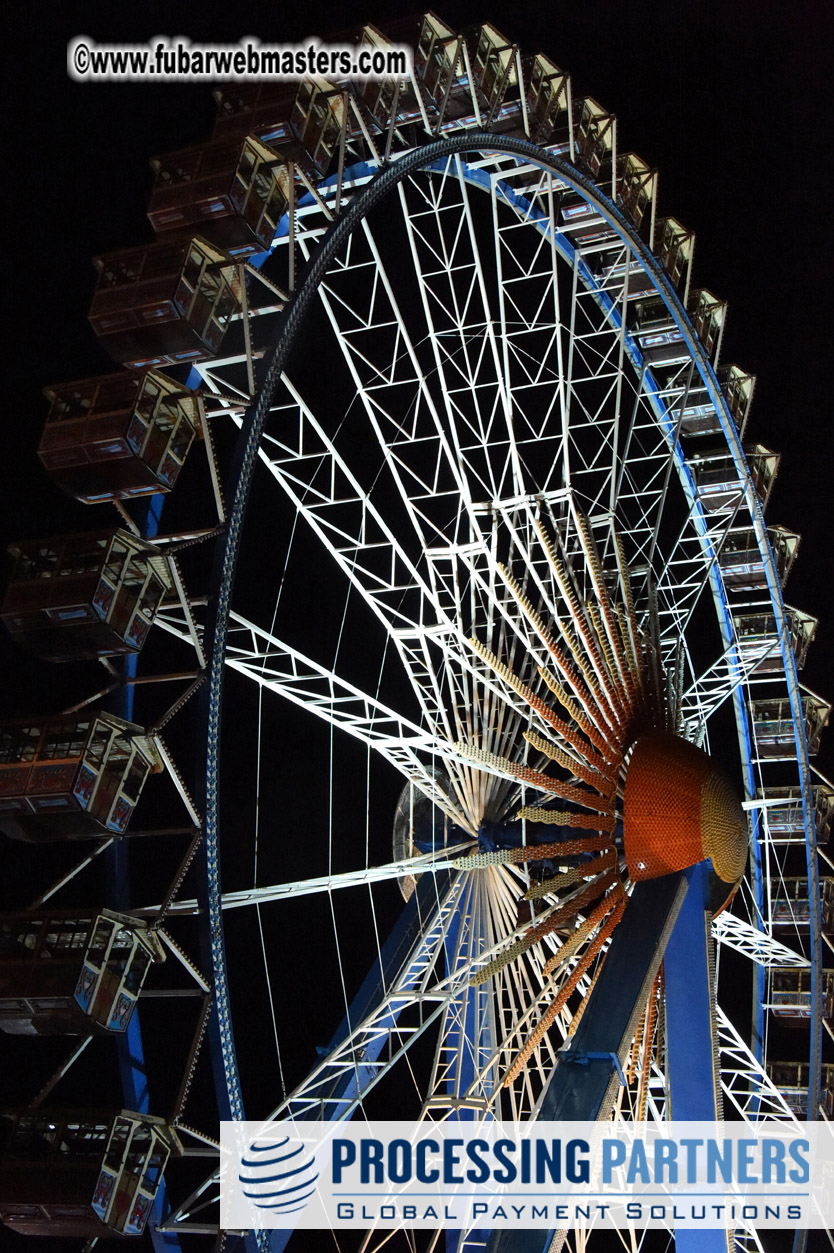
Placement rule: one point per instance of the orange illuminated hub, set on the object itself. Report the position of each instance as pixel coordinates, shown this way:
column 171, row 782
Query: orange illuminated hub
column 680, row 808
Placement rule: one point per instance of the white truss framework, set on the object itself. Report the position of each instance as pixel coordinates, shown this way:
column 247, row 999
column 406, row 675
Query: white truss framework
column 764, row 949
column 746, row 1085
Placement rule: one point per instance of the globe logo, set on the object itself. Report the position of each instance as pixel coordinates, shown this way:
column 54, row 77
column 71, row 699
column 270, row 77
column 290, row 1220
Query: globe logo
column 279, row 1176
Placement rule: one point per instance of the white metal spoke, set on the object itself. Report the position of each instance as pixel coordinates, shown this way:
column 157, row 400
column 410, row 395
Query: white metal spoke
column 364, row 877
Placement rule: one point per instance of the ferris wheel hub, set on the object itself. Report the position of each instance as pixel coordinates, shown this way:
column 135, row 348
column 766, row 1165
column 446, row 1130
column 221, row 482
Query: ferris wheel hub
column 680, row 808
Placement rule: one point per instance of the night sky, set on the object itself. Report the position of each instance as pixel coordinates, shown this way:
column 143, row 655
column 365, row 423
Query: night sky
column 732, row 103
column 733, row 109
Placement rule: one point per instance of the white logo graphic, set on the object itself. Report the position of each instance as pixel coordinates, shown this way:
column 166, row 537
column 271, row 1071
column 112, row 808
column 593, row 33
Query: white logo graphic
column 279, row 1176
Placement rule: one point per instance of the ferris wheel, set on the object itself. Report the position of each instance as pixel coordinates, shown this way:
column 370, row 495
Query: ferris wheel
column 502, row 695
column 516, row 508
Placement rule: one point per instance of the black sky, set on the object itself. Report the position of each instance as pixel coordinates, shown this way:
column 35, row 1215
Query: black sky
column 732, row 103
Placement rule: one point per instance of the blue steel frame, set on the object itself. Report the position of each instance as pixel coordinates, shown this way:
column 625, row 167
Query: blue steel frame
column 690, row 1050
column 230, row 1100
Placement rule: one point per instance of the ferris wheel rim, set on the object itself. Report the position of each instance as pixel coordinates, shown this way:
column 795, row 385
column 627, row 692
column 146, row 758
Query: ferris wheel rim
column 357, row 210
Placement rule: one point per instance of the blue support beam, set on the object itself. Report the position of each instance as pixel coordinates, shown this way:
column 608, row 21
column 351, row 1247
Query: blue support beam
column 694, row 1093
column 690, row 1062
